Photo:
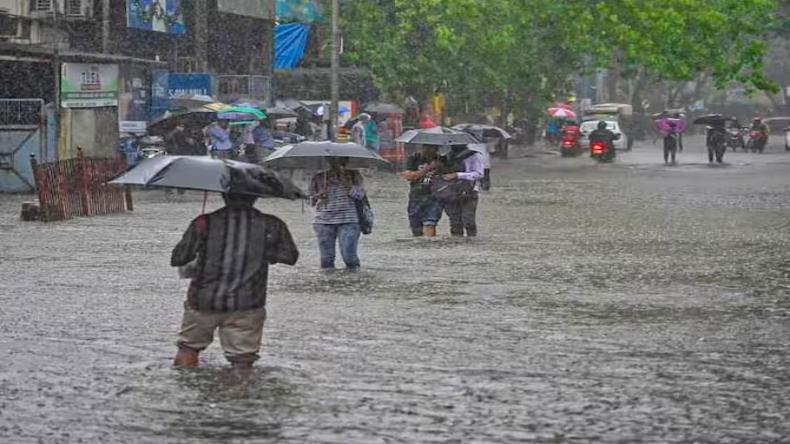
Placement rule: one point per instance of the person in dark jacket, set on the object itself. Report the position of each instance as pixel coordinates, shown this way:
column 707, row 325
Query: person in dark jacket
column 227, row 255
column 463, row 164
column 671, row 143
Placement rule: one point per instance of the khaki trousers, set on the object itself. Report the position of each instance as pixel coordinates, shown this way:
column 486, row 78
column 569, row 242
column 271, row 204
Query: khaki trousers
column 240, row 332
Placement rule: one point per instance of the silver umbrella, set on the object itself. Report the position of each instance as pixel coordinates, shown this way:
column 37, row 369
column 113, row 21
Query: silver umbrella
column 315, row 156
column 202, row 173
column 437, row 136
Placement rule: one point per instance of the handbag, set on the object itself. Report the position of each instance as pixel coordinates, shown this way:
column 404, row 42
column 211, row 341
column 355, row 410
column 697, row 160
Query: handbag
column 450, row 190
column 365, row 215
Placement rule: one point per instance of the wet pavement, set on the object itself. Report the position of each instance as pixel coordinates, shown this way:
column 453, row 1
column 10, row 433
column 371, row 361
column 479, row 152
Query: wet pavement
column 602, row 303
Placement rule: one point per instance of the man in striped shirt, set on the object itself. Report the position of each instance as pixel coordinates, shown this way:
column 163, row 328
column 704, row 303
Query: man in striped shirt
column 230, row 251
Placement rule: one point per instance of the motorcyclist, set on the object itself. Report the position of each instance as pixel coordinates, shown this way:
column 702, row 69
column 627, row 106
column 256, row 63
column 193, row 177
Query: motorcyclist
column 572, row 130
column 603, row 134
column 758, row 125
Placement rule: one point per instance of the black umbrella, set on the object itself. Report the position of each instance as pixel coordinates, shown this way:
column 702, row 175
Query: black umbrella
column 710, row 119
column 202, row 173
column 384, row 108
column 192, row 118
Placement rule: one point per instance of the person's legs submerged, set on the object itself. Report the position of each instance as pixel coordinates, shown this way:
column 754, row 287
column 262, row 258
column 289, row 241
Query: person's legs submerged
column 327, row 238
column 197, row 333
column 455, row 214
column 469, row 214
column 415, row 215
column 432, row 213
column 348, row 236
column 240, row 335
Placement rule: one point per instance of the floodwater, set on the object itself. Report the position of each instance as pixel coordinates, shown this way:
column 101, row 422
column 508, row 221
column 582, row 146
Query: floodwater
column 619, row 303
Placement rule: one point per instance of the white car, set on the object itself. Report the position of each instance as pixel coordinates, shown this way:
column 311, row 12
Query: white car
column 591, row 125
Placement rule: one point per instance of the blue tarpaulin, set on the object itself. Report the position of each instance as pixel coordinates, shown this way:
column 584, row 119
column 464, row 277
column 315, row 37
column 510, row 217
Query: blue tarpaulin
column 290, row 41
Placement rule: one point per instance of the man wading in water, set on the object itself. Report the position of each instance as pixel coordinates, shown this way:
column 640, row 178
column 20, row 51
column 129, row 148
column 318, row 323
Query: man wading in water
column 227, row 255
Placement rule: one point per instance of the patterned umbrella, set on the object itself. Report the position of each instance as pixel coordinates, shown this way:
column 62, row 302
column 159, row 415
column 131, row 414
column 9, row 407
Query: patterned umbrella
column 190, row 100
column 240, row 113
column 562, row 113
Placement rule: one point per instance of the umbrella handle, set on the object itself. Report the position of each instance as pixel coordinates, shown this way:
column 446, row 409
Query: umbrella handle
column 205, row 199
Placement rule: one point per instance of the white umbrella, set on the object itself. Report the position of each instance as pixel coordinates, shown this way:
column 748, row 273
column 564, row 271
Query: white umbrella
column 315, row 156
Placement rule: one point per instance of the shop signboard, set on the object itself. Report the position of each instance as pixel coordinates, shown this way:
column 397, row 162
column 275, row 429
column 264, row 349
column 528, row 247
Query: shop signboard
column 88, row 85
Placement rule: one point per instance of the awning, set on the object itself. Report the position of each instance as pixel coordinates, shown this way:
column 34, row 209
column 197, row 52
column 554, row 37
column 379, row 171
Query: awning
column 45, row 54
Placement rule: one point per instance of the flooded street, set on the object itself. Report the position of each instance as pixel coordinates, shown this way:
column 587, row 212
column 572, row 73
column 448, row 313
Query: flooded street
column 601, row 303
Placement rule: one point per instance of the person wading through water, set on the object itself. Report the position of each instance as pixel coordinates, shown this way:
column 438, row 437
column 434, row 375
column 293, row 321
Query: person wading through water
column 227, row 255
column 462, row 171
column 336, row 220
column 423, row 209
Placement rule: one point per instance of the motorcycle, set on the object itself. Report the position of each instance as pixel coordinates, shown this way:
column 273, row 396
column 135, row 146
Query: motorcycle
column 150, row 146
column 136, row 148
column 735, row 139
column 602, row 151
column 570, row 147
column 757, row 141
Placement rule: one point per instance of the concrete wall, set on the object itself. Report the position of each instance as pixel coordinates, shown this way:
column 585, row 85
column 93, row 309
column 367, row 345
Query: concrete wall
column 94, row 129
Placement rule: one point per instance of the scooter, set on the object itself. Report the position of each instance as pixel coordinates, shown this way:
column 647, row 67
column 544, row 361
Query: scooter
column 602, row 151
column 150, row 146
column 735, row 139
column 570, row 147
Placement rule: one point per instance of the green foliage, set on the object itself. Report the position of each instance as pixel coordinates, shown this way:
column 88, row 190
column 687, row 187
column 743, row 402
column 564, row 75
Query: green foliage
column 527, row 49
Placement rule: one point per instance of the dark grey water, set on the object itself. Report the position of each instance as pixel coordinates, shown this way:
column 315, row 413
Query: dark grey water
column 602, row 303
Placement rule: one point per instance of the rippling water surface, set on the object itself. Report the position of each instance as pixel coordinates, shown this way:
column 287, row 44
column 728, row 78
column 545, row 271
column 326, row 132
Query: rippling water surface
column 601, row 303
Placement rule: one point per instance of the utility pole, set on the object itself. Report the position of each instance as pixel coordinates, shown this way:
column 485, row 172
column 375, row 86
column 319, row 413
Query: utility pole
column 56, row 71
column 334, row 80
column 201, row 35
column 105, row 26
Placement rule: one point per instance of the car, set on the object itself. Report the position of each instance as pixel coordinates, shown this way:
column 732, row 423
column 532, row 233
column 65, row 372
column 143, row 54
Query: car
column 591, row 125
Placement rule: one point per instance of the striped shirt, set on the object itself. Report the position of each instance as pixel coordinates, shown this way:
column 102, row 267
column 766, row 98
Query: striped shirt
column 234, row 247
column 335, row 205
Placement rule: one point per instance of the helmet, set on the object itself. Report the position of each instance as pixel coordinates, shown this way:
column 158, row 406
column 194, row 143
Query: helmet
column 758, row 119
column 734, row 119
column 602, row 125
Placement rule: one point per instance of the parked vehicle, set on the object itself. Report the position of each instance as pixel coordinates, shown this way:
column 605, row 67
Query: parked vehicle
column 589, row 126
column 136, row 147
column 620, row 113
